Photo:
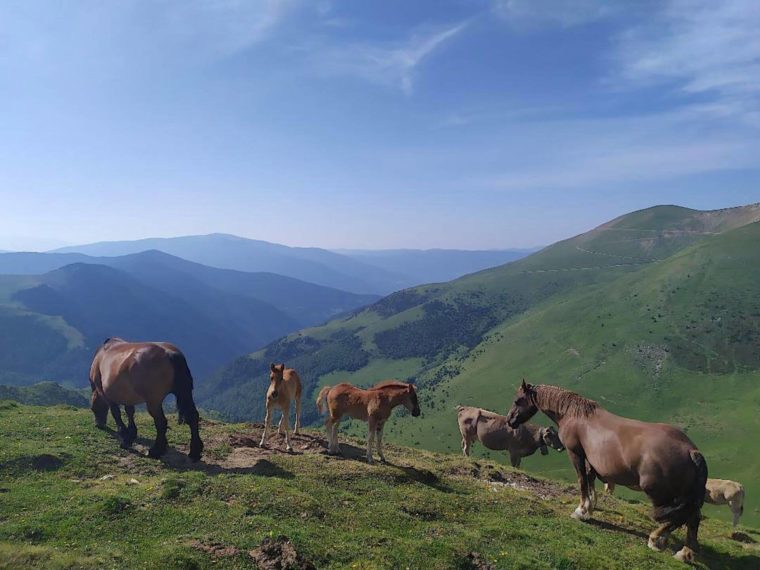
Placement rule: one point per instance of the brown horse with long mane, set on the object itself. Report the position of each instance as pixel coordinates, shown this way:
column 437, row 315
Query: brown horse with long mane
column 373, row 405
column 131, row 373
column 657, row 459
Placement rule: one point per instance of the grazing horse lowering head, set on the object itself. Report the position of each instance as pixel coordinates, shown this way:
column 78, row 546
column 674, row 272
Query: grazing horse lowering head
column 550, row 437
column 276, row 373
column 412, row 403
column 524, row 406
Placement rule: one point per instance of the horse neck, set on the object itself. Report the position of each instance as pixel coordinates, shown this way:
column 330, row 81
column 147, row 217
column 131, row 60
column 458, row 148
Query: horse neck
column 552, row 411
column 396, row 396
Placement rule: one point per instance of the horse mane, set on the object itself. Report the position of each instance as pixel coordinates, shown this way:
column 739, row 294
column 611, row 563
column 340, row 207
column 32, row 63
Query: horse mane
column 564, row 402
column 389, row 384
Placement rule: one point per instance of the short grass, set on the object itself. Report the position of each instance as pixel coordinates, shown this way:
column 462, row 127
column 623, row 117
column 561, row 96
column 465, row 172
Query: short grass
column 426, row 510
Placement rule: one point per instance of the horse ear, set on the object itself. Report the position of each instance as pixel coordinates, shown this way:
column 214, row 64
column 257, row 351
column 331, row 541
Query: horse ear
column 272, row 367
column 524, row 385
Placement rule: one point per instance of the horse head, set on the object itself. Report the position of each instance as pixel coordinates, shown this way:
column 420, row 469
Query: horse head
column 276, row 374
column 550, row 437
column 524, row 406
column 412, row 403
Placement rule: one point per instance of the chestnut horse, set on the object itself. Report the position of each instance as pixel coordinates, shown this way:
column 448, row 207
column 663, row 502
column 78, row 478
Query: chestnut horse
column 284, row 387
column 657, row 459
column 131, row 373
column 373, row 405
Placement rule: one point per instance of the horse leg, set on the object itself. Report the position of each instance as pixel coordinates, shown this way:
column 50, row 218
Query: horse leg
column 514, row 459
column 196, row 444
column 579, row 463
column 267, row 418
column 370, row 439
column 283, row 419
column 465, row 446
column 379, row 439
column 591, row 492
column 736, row 509
column 298, row 415
column 123, row 432
column 331, row 426
column 610, row 488
column 159, row 446
column 286, row 420
column 131, row 427
column 686, row 554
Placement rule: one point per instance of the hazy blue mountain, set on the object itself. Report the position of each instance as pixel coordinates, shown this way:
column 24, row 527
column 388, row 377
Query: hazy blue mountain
column 224, row 251
column 34, row 263
column 419, row 266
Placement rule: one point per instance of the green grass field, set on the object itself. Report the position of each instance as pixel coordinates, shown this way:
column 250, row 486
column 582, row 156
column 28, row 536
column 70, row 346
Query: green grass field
column 70, row 498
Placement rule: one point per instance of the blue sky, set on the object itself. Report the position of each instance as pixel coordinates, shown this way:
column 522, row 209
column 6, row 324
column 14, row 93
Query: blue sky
column 469, row 124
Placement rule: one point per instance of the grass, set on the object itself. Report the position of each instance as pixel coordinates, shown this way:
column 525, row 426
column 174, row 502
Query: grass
column 68, row 501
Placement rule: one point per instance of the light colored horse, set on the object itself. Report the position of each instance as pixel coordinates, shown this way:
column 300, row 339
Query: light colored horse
column 284, row 387
column 658, row 459
column 131, row 373
column 725, row 492
column 493, row 432
column 373, row 406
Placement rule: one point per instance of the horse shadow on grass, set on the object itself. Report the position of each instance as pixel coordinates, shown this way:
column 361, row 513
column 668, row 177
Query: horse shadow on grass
column 707, row 555
column 406, row 473
column 178, row 460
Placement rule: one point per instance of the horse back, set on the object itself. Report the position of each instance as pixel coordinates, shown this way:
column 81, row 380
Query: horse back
column 293, row 381
column 133, row 373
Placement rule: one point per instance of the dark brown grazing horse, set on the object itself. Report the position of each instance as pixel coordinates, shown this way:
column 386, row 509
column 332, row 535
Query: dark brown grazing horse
column 131, row 373
column 657, row 459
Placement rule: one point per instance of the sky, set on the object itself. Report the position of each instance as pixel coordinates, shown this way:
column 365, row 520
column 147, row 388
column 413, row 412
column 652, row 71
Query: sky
column 356, row 124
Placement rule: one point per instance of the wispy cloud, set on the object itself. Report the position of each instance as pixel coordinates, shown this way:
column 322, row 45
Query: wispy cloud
column 565, row 13
column 393, row 64
column 703, row 48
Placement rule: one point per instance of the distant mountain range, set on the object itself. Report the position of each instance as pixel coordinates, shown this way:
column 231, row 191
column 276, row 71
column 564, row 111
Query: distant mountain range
column 357, row 271
column 50, row 323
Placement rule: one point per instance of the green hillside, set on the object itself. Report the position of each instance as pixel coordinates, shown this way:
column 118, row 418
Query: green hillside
column 72, row 499
column 656, row 314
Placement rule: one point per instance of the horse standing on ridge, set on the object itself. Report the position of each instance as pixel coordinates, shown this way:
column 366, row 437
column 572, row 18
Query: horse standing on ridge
column 284, row 387
column 131, row 373
column 658, row 459
column 492, row 431
column 373, row 405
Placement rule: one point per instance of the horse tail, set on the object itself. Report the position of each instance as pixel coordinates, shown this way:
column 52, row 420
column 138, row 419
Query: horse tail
column 322, row 397
column 183, row 388
column 683, row 508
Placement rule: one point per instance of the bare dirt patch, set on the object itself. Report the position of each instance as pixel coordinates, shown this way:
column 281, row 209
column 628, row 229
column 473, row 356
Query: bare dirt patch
column 514, row 479
column 215, row 549
column 279, row 554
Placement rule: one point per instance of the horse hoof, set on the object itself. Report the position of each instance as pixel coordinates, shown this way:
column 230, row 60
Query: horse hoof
column 195, row 458
column 658, row 545
column 580, row 515
column 686, row 554
column 154, row 453
column 289, row 449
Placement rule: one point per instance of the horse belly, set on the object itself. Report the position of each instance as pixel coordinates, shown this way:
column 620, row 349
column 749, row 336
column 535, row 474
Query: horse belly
column 494, row 440
column 121, row 391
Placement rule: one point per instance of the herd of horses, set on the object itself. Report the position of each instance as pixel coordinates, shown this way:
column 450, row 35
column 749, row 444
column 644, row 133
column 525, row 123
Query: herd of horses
column 654, row 458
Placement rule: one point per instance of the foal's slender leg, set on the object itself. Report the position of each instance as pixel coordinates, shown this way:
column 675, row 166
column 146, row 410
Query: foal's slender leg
column 283, row 418
column 370, row 439
column 514, row 459
column 465, row 446
column 159, row 446
column 266, row 424
column 379, row 439
column 123, row 432
column 286, row 420
column 131, row 427
column 579, row 462
column 298, row 415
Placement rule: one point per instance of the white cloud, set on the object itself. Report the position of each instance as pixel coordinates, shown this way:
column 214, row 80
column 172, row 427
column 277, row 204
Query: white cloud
column 565, row 13
column 392, row 64
column 703, row 48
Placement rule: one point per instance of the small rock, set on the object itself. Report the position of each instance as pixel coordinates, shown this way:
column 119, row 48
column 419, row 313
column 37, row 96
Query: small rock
column 107, row 477
column 133, row 482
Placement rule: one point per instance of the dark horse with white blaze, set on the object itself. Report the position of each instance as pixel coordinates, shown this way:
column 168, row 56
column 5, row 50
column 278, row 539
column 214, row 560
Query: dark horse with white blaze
column 131, row 373
column 657, row 459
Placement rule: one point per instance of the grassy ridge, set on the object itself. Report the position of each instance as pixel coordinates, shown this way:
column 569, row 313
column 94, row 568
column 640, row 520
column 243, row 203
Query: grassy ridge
column 67, row 502
column 655, row 314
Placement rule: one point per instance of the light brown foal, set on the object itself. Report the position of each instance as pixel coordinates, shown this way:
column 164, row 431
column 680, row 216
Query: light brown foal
column 284, row 387
column 373, row 406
